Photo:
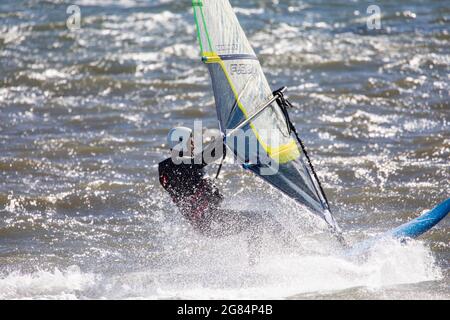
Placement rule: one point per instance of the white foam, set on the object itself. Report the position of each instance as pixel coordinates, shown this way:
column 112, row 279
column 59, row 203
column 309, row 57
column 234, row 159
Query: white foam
column 54, row 284
column 219, row 271
column 285, row 275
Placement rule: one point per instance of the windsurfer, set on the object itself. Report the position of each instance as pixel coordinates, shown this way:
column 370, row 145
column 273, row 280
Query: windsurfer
column 183, row 177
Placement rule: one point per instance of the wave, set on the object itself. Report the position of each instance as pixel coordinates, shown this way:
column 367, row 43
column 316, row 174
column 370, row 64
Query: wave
column 225, row 276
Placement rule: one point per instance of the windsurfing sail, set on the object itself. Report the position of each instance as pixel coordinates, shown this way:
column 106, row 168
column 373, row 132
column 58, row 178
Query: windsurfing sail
column 241, row 91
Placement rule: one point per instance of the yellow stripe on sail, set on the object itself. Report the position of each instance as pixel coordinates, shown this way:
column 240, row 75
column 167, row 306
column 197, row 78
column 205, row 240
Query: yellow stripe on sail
column 282, row 154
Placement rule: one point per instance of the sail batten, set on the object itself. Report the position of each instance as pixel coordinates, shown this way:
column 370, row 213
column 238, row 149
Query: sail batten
column 240, row 88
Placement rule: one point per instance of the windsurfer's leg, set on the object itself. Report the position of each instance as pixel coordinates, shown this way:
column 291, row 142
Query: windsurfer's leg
column 254, row 242
column 230, row 222
column 222, row 223
column 277, row 230
column 252, row 223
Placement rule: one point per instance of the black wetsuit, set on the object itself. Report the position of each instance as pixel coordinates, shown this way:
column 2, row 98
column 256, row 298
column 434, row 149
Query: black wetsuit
column 195, row 196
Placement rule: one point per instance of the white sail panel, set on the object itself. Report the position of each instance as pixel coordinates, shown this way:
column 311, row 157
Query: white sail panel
column 219, row 28
column 242, row 88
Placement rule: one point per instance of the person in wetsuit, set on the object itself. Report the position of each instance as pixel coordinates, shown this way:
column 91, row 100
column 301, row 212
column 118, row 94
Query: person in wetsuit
column 183, row 177
column 198, row 199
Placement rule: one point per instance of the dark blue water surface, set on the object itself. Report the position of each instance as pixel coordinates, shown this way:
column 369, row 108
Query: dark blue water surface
column 83, row 120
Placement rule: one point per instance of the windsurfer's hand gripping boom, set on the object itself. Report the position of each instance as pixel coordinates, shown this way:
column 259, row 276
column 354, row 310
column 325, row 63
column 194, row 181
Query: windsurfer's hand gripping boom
column 276, row 95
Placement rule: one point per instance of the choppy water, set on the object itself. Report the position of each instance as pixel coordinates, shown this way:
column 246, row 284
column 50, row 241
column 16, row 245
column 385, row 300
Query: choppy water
column 83, row 119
